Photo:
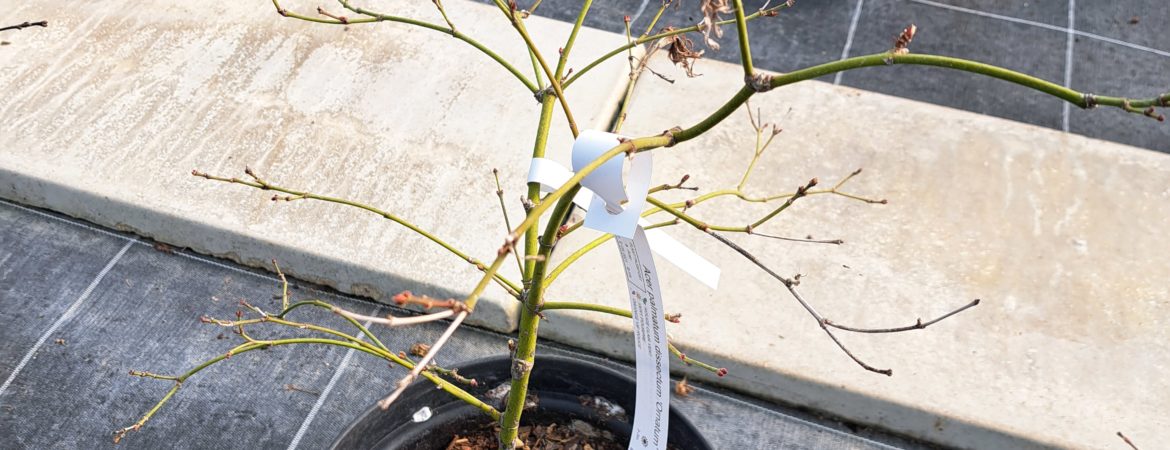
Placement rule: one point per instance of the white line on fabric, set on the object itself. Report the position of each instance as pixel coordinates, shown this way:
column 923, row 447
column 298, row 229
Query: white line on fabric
column 638, row 14
column 1044, row 25
column 325, row 393
column 68, row 314
column 1068, row 61
column 849, row 38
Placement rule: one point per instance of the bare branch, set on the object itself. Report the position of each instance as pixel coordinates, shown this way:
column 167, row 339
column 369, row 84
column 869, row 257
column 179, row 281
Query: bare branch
column 790, row 284
column 422, row 364
column 21, row 26
column 917, row 326
column 811, row 241
column 394, row 321
column 1127, row 441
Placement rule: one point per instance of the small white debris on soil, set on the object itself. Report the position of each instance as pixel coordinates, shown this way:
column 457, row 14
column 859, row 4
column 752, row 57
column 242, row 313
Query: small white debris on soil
column 602, row 406
column 422, row 415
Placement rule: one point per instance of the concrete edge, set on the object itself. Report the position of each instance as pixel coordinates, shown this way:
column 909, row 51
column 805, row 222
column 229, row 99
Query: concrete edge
column 798, row 392
column 251, row 251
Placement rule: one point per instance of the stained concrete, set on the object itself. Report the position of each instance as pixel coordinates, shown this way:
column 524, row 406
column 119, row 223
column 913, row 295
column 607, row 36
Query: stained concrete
column 111, row 107
column 1062, row 237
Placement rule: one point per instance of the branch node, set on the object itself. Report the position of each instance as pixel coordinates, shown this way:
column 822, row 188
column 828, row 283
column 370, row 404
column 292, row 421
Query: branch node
column 760, row 82
column 1090, row 101
column 520, row 367
column 670, row 135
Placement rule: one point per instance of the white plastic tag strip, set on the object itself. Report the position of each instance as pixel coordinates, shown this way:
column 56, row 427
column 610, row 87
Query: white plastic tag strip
column 607, row 214
column 651, row 415
column 552, row 175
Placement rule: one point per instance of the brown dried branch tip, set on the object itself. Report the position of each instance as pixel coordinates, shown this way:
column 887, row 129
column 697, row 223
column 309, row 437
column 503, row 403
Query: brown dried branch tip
column 21, row 26
column 420, row 349
column 902, row 43
column 681, row 51
column 711, row 11
column 1127, row 441
column 338, row 18
column 407, row 298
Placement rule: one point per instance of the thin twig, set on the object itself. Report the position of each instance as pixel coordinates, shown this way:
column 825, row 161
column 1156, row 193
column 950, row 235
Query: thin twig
column 422, row 364
column 504, row 210
column 1127, row 441
column 812, row 241
column 21, row 26
column 791, row 286
column 917, row 326
column 283, row 286
column 393, row 321
column 261, row 184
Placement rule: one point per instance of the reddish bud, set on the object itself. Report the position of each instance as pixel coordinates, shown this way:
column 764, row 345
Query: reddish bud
column 627, row 19
column 721, row 372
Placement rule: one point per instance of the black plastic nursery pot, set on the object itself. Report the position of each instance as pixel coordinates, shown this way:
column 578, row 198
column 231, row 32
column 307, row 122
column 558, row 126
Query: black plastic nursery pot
column 565, row 389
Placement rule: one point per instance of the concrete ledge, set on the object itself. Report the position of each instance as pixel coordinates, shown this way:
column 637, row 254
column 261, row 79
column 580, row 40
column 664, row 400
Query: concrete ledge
column 109, row 109
column 1063, row 237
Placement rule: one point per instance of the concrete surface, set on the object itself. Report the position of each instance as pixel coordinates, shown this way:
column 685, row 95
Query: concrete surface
column 1109, row 51
column 108, row 110
column 1062, row 237
column 106, row 278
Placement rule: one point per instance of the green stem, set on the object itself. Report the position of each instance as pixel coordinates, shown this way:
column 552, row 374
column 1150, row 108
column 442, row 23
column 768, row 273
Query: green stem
column 1078, row 98
column 626, row 313
column 745, row 49
column 379, row 17
column 577, row 254
column 247, row 347
column 320, row 304
column 657, row 15
column 572, row 38
column 263, row 185
column 554, row 80
column 525, row 352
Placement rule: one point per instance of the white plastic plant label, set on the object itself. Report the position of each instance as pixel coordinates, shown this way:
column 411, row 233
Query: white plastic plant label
column 615, row 209
column 609, row 211
column 551, row 175
column 652, row 413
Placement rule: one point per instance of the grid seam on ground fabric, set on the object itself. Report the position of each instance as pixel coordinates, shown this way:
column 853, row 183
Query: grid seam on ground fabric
column 849, row 38
column 1067, row 29
column 296, row 441
column 1068, row 62
column 65, row 316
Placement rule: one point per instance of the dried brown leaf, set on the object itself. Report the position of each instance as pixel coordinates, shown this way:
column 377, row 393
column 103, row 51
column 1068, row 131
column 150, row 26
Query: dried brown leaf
column 681, row 51
column 711, row 10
